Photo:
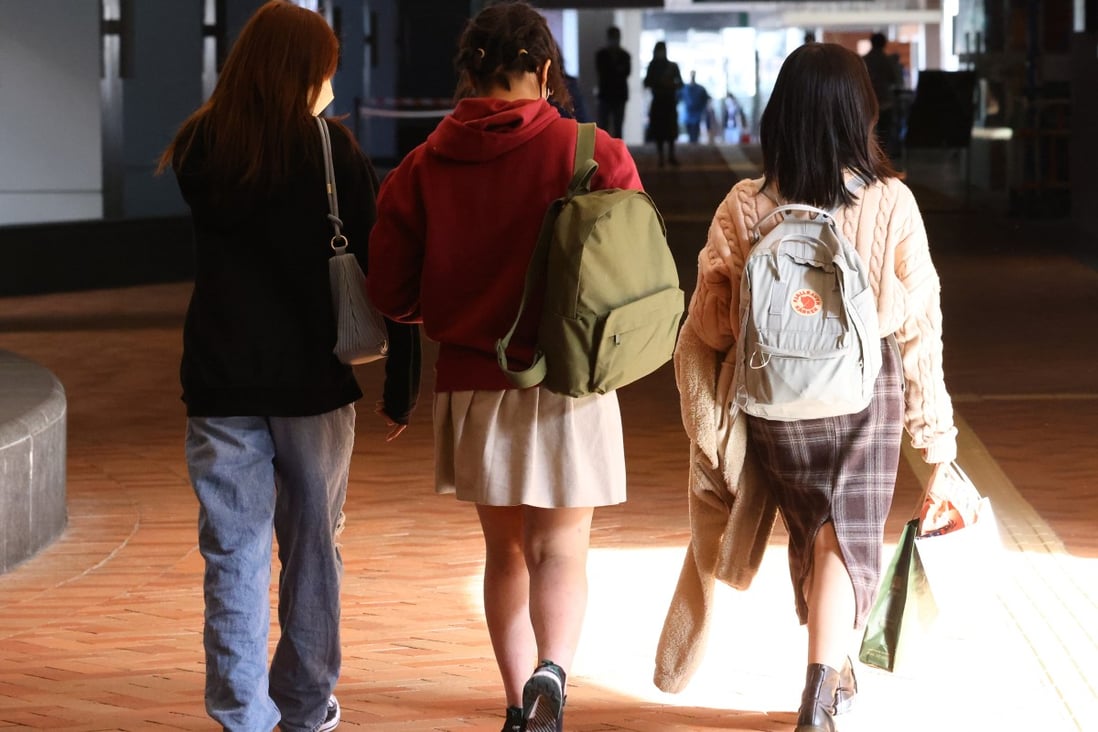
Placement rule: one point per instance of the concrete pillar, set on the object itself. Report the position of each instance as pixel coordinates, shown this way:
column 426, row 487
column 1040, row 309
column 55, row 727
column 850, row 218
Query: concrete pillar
column 162, row 87
column 427, row 34
column 377, row 133
column 1084, row 122
column 349, row 82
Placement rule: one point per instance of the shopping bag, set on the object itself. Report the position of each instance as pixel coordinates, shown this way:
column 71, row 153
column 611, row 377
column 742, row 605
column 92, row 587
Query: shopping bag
column 958, row 544
column 904, row 609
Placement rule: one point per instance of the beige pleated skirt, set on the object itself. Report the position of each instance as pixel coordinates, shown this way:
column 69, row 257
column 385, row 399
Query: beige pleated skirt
column 529, row 447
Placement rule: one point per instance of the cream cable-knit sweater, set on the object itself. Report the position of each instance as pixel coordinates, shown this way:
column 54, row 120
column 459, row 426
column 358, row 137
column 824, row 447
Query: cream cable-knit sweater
column 886, row 228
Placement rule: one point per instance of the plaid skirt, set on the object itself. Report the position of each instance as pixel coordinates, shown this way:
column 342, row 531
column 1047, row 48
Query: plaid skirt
column 837, row 469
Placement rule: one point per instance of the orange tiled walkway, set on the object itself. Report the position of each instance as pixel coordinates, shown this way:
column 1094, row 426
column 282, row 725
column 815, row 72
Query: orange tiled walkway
column 102, row 631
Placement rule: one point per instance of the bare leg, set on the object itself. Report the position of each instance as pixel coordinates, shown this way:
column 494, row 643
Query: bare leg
column 830, row 596
column 556, row 542
column 506, row 597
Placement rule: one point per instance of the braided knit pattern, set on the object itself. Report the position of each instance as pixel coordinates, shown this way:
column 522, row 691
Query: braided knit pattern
column 887, row 230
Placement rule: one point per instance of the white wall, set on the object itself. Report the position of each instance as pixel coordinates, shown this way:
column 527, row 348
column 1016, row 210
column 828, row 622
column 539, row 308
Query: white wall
column 50, row 125
column 636, row 109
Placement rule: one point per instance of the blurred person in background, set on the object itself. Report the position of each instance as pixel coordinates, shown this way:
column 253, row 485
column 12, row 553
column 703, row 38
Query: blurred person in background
column 664, row 79
column 695, row 102
column 613, row 66
column 887, row 76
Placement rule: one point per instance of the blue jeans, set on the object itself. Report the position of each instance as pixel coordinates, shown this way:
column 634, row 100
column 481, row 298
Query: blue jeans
column 256, row 477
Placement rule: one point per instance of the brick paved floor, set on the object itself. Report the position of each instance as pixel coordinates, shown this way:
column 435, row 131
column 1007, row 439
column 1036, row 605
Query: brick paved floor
column 102, row 631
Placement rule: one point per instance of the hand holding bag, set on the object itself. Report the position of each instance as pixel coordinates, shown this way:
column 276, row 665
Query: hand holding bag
column 361, row 336
column 958, row 544
column 943, row 563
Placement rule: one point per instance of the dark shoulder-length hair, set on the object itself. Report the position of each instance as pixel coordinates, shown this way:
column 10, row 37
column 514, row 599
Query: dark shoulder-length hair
column 262, row 104
column 503, row 41
column 819, row 123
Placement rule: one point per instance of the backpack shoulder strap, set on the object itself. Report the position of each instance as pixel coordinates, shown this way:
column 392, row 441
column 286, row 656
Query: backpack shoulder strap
column 828, row 216
column 853, row 185
column 583, row 168
column 535, row 272
column 785, row 210
column 585, row 145
column 584, row 165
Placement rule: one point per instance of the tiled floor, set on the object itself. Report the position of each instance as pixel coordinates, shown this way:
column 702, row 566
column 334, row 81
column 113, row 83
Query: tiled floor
column 102, row 631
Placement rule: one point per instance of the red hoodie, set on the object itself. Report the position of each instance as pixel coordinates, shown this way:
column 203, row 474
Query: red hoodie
column 457, row 223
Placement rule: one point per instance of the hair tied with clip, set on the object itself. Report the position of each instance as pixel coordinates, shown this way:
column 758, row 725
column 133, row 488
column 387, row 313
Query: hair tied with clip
column 523, row 52
column 478, row 59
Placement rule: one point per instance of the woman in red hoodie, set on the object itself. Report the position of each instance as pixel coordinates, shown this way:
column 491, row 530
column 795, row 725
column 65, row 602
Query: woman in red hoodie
column 457, row 223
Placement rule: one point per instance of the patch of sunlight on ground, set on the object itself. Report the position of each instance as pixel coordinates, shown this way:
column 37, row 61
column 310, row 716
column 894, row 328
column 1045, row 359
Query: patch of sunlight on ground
column 961, row 672
column 753, row 658
column 981, row 650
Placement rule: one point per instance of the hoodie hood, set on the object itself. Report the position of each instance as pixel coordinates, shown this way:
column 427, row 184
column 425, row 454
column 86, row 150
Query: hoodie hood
column 482, row 128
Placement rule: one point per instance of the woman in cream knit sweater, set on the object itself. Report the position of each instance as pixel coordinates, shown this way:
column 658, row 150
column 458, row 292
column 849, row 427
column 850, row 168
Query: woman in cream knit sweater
column 833, row 478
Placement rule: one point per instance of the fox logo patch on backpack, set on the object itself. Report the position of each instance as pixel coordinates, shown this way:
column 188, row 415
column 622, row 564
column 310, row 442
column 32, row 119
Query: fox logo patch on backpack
column 612, row 299
column 809, row 344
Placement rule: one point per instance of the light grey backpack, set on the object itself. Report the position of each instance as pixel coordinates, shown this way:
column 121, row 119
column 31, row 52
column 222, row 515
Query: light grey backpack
column 808, row 345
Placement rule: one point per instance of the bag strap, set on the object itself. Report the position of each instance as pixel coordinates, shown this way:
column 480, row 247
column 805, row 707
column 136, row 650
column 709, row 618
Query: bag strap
column 853, row 186
column 788, row 208
column 825, row 216
column 583, row 169
column 584, row 165
column 339, row 241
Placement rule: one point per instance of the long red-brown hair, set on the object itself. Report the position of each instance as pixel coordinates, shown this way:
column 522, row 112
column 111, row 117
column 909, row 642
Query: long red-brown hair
column 263, row 99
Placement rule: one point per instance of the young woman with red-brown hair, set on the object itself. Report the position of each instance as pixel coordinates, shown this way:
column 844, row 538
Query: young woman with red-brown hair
column 270, row 413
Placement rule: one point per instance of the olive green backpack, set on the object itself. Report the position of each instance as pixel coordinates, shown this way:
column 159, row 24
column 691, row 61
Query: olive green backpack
column 612, row 300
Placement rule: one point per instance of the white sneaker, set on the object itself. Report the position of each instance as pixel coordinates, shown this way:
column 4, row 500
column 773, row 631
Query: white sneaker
column 331, row 721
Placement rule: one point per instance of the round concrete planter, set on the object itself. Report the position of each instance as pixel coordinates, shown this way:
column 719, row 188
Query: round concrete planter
column 32, row 459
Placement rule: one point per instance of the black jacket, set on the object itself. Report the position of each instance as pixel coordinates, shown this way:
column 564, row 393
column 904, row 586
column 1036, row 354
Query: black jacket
column 613, row 66
column 260, row 329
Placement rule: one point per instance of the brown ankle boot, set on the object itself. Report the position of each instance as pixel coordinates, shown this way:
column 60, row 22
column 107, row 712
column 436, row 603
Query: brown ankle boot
column 818, row 699
column 847, row 689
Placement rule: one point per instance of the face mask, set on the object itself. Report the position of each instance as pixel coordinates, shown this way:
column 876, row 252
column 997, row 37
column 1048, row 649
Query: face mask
column 324, row 98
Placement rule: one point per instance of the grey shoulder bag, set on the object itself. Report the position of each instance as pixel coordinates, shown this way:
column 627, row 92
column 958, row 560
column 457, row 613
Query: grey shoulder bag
column 361, row 336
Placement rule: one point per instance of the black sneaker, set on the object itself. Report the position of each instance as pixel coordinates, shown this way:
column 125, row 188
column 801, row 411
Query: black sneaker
column 543, row 699
column 331, row 720
column 514, row 720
